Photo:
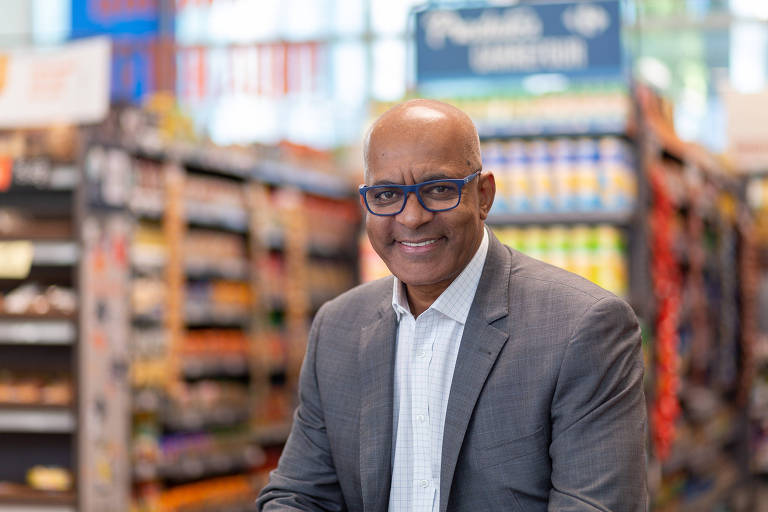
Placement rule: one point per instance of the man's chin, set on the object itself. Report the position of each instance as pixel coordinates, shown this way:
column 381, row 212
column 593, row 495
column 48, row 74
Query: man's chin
column 417, row 278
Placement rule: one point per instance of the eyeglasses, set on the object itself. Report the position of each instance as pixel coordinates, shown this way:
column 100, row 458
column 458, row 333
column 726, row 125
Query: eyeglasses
column 434, row 195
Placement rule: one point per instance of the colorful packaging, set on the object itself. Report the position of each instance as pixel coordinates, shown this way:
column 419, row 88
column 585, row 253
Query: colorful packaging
column 519, row 177
column 564, row 181
column 494, row 160
column 540, row 172
column 587, row 185
column 617, row 180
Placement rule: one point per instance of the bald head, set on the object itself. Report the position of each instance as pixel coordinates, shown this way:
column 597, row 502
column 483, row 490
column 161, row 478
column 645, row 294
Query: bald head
column 423, row 120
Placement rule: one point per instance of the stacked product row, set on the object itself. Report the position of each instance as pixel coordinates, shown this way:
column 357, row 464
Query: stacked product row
column 596, row 252
column 595, row 106
column 564, row 174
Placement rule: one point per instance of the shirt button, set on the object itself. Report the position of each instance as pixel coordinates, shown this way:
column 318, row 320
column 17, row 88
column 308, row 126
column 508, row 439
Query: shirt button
column 420, row 418
column 421, row 354
column 424, row 483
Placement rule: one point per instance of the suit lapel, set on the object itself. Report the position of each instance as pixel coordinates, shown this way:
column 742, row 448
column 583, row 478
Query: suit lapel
column 377, row 360
column 480, row 346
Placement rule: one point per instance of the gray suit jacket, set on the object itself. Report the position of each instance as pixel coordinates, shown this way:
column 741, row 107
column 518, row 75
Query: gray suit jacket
column 546, row 408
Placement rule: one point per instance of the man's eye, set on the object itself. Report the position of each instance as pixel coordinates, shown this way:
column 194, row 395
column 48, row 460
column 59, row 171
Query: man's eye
column 440, row 190
column 386, row 195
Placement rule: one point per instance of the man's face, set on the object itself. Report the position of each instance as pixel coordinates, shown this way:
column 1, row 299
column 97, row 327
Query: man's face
column 423, row 248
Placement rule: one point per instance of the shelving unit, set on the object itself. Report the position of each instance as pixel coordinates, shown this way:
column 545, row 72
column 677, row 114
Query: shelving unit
column 755, row 309
column 225, row 278
column 39, row 320
column 697, row 339
column 159, row 293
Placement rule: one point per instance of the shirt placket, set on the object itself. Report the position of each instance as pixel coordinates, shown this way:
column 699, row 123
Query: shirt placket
column 424, row 488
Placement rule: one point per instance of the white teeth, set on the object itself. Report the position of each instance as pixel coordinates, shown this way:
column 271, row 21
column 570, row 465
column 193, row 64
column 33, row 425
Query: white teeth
column 418, row 244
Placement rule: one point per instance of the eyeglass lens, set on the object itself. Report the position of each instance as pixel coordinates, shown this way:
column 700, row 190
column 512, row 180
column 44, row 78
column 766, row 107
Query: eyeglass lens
column 441, row 195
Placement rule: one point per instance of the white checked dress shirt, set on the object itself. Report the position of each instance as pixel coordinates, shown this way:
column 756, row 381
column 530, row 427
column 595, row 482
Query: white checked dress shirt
column 427, row 347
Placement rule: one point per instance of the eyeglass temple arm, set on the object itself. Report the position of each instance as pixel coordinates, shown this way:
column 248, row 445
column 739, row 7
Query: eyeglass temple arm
column 472, row 176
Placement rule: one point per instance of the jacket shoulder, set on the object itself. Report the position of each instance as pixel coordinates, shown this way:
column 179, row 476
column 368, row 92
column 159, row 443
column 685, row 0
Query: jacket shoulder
column 362, row 301
column 536, row 274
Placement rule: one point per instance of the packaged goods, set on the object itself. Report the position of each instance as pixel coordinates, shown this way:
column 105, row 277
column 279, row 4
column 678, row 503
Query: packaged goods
column 597, row 253
column 519, row 177
column 540, row 170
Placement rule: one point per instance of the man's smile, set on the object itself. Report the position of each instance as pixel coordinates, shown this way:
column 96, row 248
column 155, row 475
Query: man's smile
column 419, row 244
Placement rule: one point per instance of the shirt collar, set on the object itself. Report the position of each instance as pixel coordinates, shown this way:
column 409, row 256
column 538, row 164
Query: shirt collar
column 456, row 300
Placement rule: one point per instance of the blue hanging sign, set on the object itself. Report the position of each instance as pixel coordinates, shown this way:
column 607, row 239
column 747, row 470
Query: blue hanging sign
column 133, row 26
column 115, row 17
column 571, row 38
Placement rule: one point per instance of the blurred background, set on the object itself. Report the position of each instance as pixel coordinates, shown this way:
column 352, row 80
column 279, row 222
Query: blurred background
column 178, row 197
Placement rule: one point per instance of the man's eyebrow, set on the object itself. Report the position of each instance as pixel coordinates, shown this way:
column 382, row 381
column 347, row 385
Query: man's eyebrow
column 436, row 176
column 429, row 177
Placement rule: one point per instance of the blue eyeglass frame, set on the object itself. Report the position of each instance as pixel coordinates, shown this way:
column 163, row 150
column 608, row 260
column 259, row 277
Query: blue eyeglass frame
column 415, row 188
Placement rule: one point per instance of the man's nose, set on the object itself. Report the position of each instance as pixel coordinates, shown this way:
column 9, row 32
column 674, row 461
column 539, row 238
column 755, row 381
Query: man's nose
column 413, row 215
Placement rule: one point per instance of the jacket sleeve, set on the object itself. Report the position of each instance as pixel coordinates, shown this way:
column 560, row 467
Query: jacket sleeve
column 305, row 478
column 599, row 417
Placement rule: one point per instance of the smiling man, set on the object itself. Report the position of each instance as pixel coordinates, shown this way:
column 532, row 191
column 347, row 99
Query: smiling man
column 474, row 379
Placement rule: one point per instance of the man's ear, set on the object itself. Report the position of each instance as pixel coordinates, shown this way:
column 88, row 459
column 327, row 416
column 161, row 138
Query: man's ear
column 486, row 191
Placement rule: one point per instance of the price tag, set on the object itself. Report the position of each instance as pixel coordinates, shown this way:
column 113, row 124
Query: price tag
column 15, row 259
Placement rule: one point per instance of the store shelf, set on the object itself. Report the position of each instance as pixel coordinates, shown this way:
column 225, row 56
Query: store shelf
column 208, row 313
column 587, row 128
column 20, row 498
column 210, row 465
column 272, row 434
column 313, row 182
column 51, row 253
column 234, row 221
column 40, row 202
column 38, row 175
column 214, row 160
column 37, row 419
column 619, row 217
column 215, row 367
column 276, row 242
column 226, row 270
column 201, row 316
column 148, row 266
column 147, row 320
column 12, row 506
column 148, row 205
column 37, row 317
column 37, row 332
column 190, row 420
column 55, row 253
